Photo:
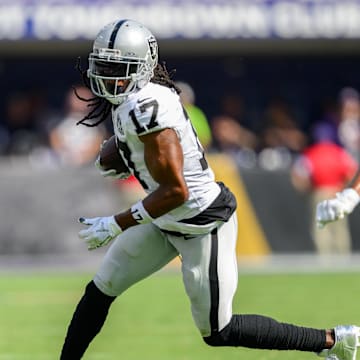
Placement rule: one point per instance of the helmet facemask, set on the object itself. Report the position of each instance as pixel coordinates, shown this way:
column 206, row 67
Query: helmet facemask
column 107, row 67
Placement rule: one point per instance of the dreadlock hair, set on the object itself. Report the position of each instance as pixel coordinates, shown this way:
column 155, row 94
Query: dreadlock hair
column 101, row 108
column 163, row 77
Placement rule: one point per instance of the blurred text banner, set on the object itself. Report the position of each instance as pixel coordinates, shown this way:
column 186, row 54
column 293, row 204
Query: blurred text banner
column 183, row 19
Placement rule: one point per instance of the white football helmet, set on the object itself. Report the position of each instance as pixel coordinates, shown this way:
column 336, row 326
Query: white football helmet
column 122, row 50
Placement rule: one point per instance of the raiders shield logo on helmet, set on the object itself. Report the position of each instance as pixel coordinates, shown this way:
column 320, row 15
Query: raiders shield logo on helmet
column 153, row 47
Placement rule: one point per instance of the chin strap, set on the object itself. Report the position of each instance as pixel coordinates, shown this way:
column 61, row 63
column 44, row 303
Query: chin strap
column 119, row 99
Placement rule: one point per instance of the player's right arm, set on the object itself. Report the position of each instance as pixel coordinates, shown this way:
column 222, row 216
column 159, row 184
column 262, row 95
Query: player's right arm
column 356, row 183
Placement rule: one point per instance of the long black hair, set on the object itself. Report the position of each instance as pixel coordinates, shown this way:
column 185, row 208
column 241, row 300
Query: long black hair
column 100, row 108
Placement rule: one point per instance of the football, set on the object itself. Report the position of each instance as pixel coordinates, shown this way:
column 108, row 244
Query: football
column 110, row 158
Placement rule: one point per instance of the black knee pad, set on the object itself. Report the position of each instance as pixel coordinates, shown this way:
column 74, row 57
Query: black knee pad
column 214, row 339
column 221, row 338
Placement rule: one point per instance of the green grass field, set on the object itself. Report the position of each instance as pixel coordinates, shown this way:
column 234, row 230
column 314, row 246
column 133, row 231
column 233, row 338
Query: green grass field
column 152, row 321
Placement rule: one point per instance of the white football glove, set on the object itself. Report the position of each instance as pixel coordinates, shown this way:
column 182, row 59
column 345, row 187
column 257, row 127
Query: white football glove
column 331, row 210
column 100, row 232
column 110, row 172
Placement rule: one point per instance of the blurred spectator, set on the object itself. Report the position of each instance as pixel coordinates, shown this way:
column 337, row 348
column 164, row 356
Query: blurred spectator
column 19, row 134
column 230, row 135
column 322, row 170
column 196, row 115
column 76, row 145
column 281, row 138
column 232, row 105
column 328, row 122
column 232, row 138
column 349, row 126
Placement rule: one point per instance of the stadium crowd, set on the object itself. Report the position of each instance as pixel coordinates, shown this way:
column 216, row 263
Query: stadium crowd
column 31, row 128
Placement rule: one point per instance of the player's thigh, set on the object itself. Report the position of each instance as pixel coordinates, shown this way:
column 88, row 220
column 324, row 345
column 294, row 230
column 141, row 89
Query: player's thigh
column 135, row 254
column 210, row 276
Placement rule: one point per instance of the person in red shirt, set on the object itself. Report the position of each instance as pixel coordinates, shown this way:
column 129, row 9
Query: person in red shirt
column 324, row 168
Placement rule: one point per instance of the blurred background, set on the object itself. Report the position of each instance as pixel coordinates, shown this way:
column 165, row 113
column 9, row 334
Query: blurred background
column 272, row 87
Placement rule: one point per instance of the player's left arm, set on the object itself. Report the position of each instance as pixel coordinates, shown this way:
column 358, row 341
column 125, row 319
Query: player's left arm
column 164, row 159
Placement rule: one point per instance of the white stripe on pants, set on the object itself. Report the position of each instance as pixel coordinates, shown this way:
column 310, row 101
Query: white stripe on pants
column 142, row 250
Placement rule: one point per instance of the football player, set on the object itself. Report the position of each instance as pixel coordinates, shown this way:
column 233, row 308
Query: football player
column 185, row 213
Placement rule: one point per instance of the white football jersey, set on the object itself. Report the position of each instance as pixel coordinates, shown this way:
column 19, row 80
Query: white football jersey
column 153, row 108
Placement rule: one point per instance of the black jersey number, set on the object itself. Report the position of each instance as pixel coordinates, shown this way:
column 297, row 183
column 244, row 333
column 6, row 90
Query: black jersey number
column 203, row 162
column 127, row 154
column 151, row 104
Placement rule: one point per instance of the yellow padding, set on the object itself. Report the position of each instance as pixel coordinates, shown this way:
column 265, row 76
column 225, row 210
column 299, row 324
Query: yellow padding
column 251, row 239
